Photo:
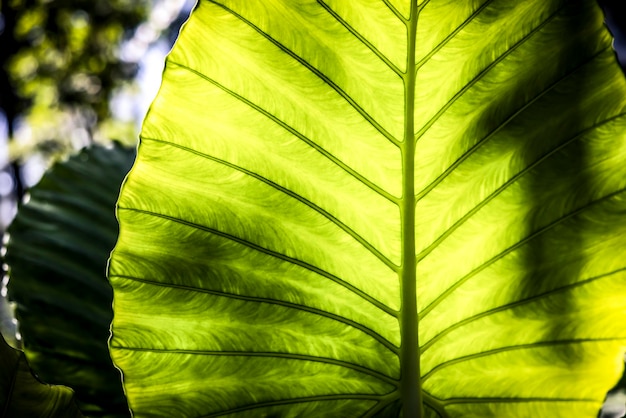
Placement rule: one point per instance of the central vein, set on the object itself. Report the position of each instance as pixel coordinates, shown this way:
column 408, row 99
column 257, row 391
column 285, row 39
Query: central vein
column 410, row 387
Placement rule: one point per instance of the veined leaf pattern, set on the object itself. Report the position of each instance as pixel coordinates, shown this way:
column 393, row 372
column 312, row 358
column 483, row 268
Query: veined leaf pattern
column 354, row 208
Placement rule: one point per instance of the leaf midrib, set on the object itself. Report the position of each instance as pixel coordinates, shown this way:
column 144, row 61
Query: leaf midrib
column 410, row 372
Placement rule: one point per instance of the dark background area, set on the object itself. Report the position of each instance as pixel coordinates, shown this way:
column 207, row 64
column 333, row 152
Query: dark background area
column 616, row 20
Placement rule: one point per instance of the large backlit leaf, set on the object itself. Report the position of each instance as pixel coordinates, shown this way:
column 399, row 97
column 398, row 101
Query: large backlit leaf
column 337, row 200
column 57, row 253
column 22, row 395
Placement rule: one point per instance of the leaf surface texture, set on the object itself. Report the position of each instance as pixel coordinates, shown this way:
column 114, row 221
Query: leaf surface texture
column 306, row 164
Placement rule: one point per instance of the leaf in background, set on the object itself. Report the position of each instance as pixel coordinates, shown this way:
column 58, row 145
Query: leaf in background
column 22, row 395
column 310, row 167
column 57, row 252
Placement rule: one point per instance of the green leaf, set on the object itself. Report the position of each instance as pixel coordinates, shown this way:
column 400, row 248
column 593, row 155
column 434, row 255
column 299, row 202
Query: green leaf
column 22, row 395
column 349, row 209
column 57, row 253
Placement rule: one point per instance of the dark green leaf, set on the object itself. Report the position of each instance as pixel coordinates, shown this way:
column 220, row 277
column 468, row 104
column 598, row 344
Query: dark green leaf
column 57, row 253
column 23, row 395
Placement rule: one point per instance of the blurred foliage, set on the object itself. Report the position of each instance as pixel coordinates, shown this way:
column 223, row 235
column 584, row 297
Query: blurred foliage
column 23, row 395
column 57, row 253
column 60, row 65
